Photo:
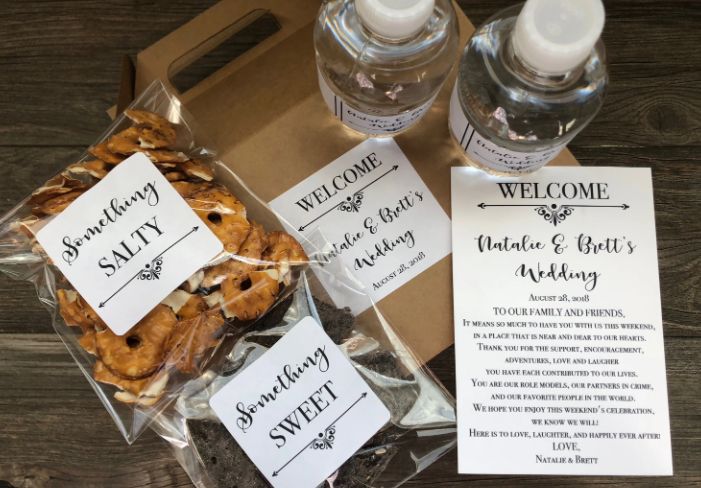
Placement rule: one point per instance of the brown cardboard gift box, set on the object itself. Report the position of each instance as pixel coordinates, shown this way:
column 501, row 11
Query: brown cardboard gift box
column 266, row 117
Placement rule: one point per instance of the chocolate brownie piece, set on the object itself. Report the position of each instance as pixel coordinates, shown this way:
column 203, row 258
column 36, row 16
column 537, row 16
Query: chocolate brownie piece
column 229, row 467
column 368, row 464
column 337, row 322
column 224, row 461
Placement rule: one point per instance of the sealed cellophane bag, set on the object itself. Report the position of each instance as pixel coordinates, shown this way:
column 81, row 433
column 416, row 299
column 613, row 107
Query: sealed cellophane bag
column 137, row 374
column 421, row 425
column 164, row 371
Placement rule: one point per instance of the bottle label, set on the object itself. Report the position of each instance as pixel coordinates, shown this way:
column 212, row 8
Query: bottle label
column 370, row 123
column 485, row 153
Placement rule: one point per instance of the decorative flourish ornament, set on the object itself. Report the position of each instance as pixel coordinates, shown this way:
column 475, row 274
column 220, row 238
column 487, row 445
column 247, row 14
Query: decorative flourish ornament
column 352, row 203
column 325, row 439
column 152, row 271
column 554, row 213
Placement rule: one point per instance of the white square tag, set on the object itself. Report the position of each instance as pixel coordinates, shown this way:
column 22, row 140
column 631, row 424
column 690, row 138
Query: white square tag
column 128, row 242
column 376, row 215
column 300, row 410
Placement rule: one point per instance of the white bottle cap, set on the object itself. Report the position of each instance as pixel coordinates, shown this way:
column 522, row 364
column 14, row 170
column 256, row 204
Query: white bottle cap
column 556, row 36
column 394, row 19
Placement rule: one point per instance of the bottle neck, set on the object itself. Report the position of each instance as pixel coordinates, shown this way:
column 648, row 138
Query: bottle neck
column 526, row 73
column 387, row 40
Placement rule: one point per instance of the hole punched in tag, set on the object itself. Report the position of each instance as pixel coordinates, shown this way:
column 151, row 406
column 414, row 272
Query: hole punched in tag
column 223, row 47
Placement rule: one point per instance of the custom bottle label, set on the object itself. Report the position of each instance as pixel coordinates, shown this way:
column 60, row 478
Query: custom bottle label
column 484, row 152
column 370, row 123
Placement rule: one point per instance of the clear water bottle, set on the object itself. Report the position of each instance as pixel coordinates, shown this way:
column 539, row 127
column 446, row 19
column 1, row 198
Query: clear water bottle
column 530, row 79
column 381, row 63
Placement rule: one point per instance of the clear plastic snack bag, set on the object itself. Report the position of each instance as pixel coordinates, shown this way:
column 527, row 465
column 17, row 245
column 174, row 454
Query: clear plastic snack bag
column 136, row 375
column 422, row 413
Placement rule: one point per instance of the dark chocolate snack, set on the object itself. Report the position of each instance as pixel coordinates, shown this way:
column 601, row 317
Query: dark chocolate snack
column 228, row 466
column 364, row 468
column 401, row 396
column 224, row 461
column 337, row 322
column 382, row 362
column 274, row 316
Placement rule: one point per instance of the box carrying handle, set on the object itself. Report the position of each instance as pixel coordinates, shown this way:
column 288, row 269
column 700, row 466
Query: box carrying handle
column 185, row 45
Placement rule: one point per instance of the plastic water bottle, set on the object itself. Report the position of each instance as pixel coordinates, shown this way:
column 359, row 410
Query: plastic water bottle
column 530, row 79
column 381, row 63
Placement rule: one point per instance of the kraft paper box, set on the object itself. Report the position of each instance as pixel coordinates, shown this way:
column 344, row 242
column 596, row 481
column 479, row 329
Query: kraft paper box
column 266, row 116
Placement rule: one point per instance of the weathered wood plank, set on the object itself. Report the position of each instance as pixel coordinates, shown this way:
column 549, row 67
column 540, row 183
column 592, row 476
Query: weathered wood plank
column 676, row 176
column 676, row 180
column 60, row 62
column 24, row 169
column 653, row 96
column 56, row 433
column 653, row 57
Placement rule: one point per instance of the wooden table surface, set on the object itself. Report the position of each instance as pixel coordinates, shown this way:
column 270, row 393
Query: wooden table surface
column 59, row 71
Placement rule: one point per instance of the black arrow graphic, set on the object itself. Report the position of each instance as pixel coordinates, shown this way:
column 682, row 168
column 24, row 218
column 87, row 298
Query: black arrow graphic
column 277, row 471
column 302, row 227
column 104, row 302
column 625, row 206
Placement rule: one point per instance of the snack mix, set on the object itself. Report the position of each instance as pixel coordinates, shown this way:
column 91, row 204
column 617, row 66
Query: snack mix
column 177, row 335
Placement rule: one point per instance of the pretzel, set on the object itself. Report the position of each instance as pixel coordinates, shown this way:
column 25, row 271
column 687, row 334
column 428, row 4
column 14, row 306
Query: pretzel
column 58, row 185
column 177, row 333
column 155, row 139
column 175, row 176
column 192, row 338
column 250, row 298
column 95, row 168
column 185, row 305
column 101, row 151
column 141, row 351
column 158, row 131
column 125, row 142
column 145, row 391
column 282, row 251
column 57, row 204
column 87, row 341
column 282, row 247
column 243, row 263
column 186, row 188
column 196, row 169
column 160, row 156
column 223, row 213
column 71, row 310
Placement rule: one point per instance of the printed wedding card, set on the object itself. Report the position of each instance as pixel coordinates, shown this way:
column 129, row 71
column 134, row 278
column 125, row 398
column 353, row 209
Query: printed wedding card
column 558, row 329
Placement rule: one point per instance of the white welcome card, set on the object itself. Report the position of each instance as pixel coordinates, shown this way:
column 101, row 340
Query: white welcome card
column 558, row 329
column 128, row 242
column 301, row 409
column 375, row 214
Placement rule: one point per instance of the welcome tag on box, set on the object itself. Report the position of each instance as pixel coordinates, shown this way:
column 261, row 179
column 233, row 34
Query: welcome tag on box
column 300, row 410
column 375, row 215
column 128, row 242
